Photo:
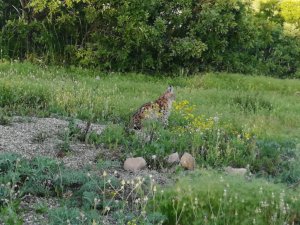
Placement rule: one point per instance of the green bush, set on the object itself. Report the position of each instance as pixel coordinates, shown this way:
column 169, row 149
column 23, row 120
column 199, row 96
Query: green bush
column 212, row 198
column 181, row 37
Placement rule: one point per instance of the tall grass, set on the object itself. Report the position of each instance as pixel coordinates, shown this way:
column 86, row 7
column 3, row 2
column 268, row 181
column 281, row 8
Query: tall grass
column 269, row 106
column 215, row 198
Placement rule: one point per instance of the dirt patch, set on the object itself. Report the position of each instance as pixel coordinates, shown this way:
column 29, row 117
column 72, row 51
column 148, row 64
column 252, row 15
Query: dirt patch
column 32, row 137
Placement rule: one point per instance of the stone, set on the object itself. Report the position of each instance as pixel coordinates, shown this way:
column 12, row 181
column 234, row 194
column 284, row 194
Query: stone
column 187, row 161
column 134, row 164
column 173, row 158
column 235, row 171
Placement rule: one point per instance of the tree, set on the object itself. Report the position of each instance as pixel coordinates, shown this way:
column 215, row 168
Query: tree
column 290, row 10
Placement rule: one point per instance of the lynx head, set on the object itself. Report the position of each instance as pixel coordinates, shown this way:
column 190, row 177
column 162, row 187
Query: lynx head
column 170, row 93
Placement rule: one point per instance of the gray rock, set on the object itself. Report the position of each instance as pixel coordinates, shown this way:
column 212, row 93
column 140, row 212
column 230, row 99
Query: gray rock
column 235, row 171
column 135, row 164
column 173, row 158
column 187, row 161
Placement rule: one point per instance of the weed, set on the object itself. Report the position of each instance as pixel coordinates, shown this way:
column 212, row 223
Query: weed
column 10, row 214
column 71, row 133
column 40, row 137
column 64, row 147
column 113, row 136
column 40, row 207
column 252, row 103
column 5, row 120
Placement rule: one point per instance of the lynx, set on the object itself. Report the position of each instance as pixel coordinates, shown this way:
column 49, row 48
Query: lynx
column 157, row 110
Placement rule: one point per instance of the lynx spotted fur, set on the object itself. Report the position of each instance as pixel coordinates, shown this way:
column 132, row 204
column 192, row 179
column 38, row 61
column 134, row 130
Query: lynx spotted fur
column 157, row 110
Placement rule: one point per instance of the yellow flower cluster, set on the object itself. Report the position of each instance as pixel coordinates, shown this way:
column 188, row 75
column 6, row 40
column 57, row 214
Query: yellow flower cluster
column 194, row 123
column 247, row 135
column 183, row 107
column 132, row 222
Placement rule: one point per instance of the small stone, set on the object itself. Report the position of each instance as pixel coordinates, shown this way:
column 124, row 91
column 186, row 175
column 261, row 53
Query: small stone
column 134, row 164
column 188, row 161
column 235, row 171
column 173, row 158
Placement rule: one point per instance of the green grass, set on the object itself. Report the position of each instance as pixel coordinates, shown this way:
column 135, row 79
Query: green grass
column 27, row 89
column 94, row 194
column 208, row 197
column 259, row 126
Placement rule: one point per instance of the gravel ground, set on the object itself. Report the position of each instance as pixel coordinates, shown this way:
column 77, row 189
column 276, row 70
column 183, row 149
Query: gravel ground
column 24, row 136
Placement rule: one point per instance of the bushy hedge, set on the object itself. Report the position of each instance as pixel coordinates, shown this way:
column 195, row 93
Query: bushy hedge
column 150, row 36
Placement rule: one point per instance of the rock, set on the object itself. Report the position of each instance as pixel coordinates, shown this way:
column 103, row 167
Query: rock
column 235, row 171
column 134, row 164
column 188, row 161
column 173, row 158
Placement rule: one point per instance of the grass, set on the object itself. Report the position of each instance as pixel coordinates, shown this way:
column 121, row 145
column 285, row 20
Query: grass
column 268, row 106
column 243, row 120
column 87, row 196
column 209, row 197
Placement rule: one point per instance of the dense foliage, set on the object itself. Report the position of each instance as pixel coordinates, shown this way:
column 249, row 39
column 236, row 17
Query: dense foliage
column 152, row 36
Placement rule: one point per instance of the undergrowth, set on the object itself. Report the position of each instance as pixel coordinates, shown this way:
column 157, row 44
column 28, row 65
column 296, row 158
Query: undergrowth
column 87, row 196
column 208, row 197
column 211, row 140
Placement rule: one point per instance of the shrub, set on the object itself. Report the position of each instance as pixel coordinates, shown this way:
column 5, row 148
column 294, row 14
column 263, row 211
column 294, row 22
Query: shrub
column 181, row 37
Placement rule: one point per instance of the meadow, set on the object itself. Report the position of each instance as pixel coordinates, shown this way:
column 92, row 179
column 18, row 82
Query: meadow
column 221, row 119
column 269, row 106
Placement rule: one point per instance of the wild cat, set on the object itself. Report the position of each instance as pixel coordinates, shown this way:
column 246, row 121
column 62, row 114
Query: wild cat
column 159, row 110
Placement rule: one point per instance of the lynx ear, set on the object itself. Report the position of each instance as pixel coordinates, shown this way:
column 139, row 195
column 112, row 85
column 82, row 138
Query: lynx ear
column 170, row 89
